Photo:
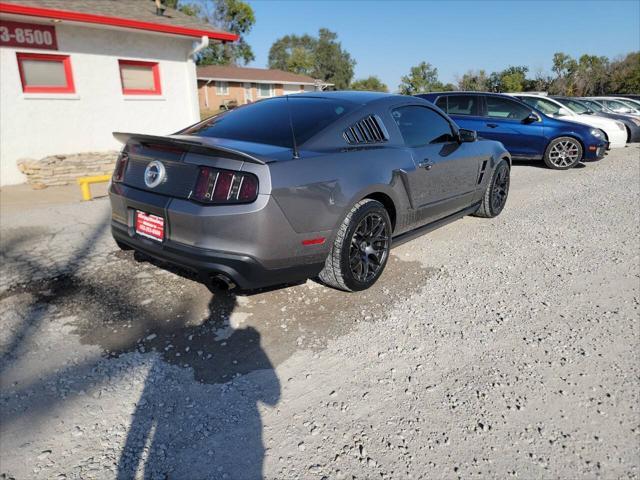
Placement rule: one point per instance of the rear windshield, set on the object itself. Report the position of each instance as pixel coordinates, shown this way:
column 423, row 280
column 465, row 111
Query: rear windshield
column 268, row 121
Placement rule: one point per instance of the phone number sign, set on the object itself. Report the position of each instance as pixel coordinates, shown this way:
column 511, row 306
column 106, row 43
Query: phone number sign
column 28, row 35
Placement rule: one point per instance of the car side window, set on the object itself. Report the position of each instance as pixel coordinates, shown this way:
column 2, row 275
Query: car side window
column 462, row 105
column 545, row 106
column 504, row 108
column 422, row 126
column 442, row 103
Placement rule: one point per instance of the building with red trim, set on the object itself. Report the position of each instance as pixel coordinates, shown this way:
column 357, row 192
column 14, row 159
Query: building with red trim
column 222, row 85
column 74, row 71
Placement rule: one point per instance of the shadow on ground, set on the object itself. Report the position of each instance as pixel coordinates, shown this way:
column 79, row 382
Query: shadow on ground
column 539, row 164
column 132, row 307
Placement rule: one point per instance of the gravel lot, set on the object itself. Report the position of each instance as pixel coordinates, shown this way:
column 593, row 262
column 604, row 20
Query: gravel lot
column 490, row 348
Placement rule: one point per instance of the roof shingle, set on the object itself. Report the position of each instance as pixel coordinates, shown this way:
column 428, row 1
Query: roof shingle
column 137, row 10
column 227, row 72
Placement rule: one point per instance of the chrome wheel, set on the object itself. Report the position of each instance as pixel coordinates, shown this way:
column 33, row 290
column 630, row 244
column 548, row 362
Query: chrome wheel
column 369, row 247
column 564, row 153
column 500, row 189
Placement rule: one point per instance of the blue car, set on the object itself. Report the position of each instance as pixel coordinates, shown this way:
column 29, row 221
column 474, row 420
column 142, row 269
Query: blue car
column 526, row 132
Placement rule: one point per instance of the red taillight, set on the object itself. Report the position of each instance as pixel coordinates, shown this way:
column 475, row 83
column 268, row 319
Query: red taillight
column 121, row 166
column 202, row 186
column 248, row 189
column 225, row 186
column 222, row 189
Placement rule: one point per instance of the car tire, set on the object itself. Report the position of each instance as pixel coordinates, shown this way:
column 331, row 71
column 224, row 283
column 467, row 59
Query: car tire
column 496, row 193
column 563, row 153
column 360, row 249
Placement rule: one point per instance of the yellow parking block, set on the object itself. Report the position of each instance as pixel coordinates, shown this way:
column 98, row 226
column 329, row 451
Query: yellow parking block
column 85, row 183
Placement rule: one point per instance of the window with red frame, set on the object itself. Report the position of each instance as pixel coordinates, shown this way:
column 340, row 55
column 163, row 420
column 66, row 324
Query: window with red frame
column 44, row 73
column 140, row 78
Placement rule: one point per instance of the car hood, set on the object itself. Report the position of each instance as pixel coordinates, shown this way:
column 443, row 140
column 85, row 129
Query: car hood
column 592, row 121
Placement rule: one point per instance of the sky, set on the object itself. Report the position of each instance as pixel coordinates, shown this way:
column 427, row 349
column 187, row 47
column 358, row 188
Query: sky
column 387, row 38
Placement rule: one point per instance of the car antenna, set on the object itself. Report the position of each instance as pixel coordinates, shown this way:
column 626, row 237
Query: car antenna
column 293, row 133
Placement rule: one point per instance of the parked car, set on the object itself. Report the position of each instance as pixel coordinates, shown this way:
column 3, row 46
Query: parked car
column 631, row 96
column 618, row 105
column 634, row 102
column 615, row 132
column 294, row 187
column 526, row 132
column 582, row 107
column 596, row 106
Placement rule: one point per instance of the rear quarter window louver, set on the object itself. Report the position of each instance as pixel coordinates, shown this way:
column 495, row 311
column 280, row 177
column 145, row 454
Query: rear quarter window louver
column 368, row 130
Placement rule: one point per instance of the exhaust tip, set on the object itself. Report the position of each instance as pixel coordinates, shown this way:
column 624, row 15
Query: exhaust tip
column 221, row 281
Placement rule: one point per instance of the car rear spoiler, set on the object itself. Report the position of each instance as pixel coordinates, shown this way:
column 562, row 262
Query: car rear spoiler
column 189, row 143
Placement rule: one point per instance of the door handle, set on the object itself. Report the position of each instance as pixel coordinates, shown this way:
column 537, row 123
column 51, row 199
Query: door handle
column 426, row 164
column 492, row 125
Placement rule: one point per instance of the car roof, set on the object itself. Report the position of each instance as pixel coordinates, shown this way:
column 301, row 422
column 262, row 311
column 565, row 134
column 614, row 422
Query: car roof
column 454, row 92
column 355, row 96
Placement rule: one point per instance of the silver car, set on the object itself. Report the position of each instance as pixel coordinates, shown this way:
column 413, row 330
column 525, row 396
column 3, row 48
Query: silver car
column 313, row 185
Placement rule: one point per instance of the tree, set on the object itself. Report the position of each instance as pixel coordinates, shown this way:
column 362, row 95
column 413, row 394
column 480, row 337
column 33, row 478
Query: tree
column 293, row 53
column 474, row 81
column 591, row 76
column 332, row 64
column 187, row 8
column 233, row 16
column 564, row 67
column 322, row 57
column 511, row 79
column 540, row 82
column 624, row 74
column 371, row 83
column 422, row 78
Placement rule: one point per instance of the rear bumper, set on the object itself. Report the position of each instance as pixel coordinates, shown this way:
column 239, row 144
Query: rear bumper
column 245, row 271
column 252, row 244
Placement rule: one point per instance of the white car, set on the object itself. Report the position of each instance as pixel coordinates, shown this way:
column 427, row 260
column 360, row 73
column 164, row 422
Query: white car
column 615, row 131
column 622, row 105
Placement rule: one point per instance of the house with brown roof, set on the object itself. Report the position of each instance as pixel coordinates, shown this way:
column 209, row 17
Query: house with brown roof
column 74, row 71
column 220, row 86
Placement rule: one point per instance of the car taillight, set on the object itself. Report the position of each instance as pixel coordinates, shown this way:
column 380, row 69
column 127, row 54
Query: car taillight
column 121, row 166
column 225, row 186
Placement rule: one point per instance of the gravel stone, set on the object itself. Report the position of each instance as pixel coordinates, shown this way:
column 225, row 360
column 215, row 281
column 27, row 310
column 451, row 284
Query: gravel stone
column 502, row 348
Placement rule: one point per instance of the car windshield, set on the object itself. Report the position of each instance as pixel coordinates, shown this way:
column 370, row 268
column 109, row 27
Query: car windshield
column 269, row 121
column 576, row 106
column 542, row 104
column 594, row 105
column 629, row 103
column 618, row 104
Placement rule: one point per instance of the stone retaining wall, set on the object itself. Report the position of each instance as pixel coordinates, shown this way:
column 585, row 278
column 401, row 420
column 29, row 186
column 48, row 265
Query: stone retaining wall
column 64, row 169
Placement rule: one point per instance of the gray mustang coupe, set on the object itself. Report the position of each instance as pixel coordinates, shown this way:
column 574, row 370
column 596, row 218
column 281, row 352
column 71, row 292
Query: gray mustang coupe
column 302, row 186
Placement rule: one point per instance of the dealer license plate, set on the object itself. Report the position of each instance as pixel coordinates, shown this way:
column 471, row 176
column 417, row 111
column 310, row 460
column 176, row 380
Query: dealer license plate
column 150, row 226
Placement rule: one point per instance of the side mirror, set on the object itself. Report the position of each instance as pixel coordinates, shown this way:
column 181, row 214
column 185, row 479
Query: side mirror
column 531, row 118
column 563, row 112
column 467, row 135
